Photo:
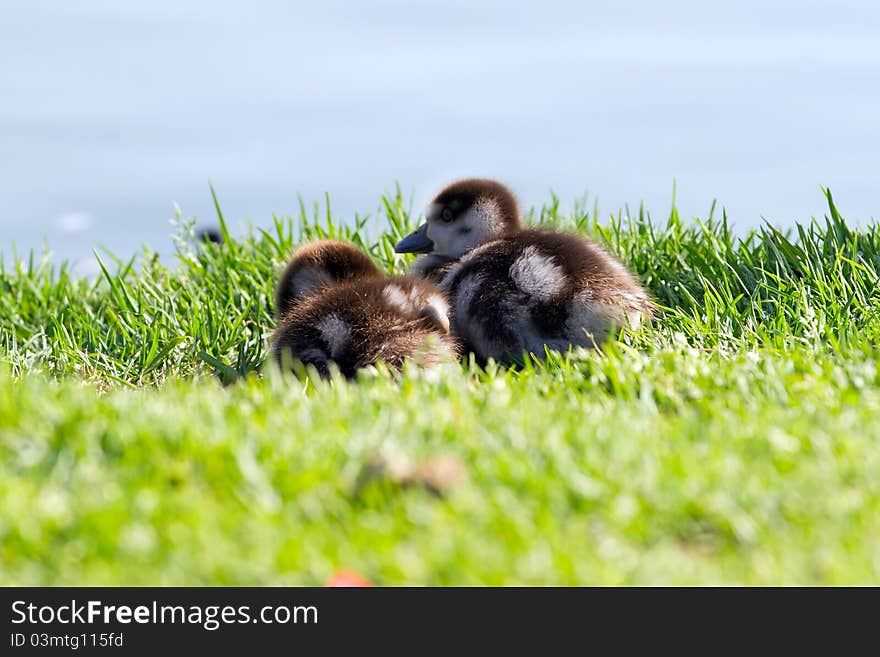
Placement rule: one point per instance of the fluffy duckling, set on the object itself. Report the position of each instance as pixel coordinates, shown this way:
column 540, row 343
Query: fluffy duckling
column 333, row 305
column 515, row 290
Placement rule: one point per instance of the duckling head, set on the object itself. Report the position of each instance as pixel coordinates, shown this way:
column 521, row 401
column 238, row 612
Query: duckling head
column 465, row 214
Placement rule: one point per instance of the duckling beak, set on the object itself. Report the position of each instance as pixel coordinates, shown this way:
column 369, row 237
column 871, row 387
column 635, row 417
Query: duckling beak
column 416, row 242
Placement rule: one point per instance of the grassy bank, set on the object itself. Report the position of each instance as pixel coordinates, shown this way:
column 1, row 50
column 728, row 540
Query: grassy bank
column 737, row 440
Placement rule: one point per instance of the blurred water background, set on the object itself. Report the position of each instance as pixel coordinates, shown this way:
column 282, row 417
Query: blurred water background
column 111, row 111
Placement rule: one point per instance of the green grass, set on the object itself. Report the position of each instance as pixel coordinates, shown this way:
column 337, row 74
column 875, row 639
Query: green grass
column 737, row 440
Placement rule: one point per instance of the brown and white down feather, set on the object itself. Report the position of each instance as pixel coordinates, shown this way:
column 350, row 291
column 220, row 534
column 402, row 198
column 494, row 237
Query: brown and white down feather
column 319, row 264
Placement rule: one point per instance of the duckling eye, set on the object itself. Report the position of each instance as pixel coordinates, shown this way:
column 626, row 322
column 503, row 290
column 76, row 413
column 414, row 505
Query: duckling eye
column 446, row 215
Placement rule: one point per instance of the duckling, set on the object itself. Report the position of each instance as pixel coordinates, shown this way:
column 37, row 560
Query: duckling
column 515, row 290
column 333, row 306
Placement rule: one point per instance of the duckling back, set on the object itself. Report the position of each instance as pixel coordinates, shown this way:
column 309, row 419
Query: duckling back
column 317, row 265
column 359, row 323
column 540, row 288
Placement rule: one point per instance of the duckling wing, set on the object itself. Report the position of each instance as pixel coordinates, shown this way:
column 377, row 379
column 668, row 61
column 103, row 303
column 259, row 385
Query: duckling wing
column 490, row 309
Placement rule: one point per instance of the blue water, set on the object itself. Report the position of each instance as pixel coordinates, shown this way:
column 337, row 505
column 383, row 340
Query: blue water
column 111, row 111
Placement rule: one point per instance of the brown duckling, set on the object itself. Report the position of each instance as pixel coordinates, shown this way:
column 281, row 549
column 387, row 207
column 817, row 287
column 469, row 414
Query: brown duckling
column 335, row 307
column 515, row 290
